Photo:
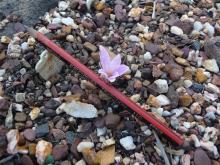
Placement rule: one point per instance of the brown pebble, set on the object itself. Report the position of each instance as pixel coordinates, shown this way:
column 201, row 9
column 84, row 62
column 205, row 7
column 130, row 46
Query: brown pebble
column 112, row 120
column 185, row 100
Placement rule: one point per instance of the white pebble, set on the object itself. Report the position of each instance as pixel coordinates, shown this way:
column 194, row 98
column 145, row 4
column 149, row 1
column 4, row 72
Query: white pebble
column 162, row 85
column 147, row 57
column 176, row 30
column 67, row 21
column 63, row 5
column 84, row 145
column 210, row 28
column 211, row 65
column 56, row 21
column 101, row 131
column 22, row 71
column 127, row 143
column 24, row 46
column 212, row 88
column 134, row 38
column 163, row 100
column 2, row 72
column 198, row 26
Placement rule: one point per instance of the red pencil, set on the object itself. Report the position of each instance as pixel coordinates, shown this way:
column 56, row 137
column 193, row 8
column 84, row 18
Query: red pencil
column 113, row 91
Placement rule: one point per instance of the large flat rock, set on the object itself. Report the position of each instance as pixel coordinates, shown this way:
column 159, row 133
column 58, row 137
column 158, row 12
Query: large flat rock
column 29, row 10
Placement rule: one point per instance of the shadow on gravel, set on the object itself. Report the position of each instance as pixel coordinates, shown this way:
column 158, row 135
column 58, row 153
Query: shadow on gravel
column 28, row 10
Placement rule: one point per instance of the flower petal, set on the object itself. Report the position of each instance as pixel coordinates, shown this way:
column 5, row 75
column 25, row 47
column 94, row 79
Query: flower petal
column 103, row 73
column 104, row 58
column 122, row 69
column 116, row 62
column 113, row 77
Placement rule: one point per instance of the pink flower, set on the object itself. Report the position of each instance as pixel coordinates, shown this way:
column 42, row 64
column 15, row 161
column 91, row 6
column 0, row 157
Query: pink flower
column 111, row 68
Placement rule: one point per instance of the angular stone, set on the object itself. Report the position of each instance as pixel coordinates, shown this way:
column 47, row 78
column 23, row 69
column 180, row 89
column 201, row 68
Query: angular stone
column 201, row 158
column 78, row 109
column 26, row 160
column 48, row 65
column 60, row 151
column 112, row 120
column 42, row 130
column 29, row 134
column 21, row 117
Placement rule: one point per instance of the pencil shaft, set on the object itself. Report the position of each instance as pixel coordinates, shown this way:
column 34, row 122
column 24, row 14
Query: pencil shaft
column 113, row 91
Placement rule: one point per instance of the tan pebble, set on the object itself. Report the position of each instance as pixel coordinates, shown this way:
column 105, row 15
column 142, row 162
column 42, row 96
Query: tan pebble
column 152, row 101
column 200, row 77
column 5, row 40
column 177, row 52
column 188, row 73
column 195, row 108
column 135, row 12
column 198, row 97
column 34, row 113
column 70, row 38
column 185, row 100
column 182, row 61
column 32, row 148
column 2, row 55
column 100, row 6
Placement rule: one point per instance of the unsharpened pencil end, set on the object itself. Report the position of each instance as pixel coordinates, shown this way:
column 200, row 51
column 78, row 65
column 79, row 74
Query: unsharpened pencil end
column 32, row 32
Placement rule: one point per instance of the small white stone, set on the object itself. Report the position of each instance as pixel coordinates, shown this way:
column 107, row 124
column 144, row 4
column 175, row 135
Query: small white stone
column 176, row 30
column 163, row 100
column 84, row 145
column 78, row 109
column 24, row 46
column 19, row 97
column 101, row 131
column 198, row 26
column 56, row 21
column 127, row 143
column 212, row 88
column 177, row 111
column 44, row 30
column 18, row 107
column 147, row 57
column 22, row 71
column 70, row 38
column 138, row 74
column 63, row 5
column 108, row 142
column 210, row 28
column 218, row 5
column 48, row 84
column 211, row 65
column 188, row 83
column 126, row 161
column 187, row 125
column 130, row 58
column 67, row 21
column 162, row 85
column 134, row 38
column 2, row 72
column 135, row 98
column 81, row 162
